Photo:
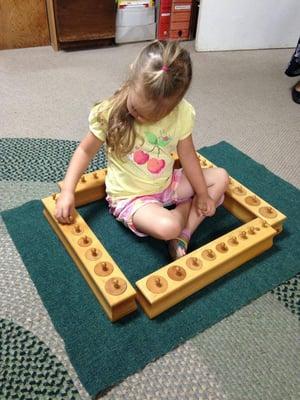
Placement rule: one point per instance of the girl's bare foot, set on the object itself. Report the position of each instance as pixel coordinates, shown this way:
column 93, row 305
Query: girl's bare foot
column 178, row 247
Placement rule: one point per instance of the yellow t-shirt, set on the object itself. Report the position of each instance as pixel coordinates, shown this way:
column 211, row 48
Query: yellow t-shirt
column 147, row 169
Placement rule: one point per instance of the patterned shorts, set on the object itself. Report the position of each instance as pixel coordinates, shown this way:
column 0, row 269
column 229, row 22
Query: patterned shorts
column 124, row 209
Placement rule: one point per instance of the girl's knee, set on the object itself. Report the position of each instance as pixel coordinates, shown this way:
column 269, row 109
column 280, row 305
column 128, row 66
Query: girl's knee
column 222, row 177
column 168, row 228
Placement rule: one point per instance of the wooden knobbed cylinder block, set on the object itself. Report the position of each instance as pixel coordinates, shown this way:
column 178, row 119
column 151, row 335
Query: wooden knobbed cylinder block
column 170, row 284
column 116, row 295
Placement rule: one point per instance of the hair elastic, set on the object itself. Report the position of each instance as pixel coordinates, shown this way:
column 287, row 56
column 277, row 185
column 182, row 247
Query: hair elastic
column 165, row 68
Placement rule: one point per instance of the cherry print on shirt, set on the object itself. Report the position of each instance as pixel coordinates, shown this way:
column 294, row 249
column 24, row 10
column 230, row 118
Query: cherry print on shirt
column 154, row 164
column 140, row 157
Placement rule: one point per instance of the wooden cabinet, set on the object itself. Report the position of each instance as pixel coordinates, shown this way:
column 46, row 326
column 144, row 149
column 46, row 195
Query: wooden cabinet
column 23, row 24
column 80, row 23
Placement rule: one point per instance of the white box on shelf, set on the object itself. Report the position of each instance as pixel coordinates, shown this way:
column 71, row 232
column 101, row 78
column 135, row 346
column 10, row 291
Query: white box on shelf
column 135, row 16
column 125, row 34
column 135, row 23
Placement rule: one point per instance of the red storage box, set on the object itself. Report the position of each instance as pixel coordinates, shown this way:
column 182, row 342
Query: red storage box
column 180, row 19
column 173, row 19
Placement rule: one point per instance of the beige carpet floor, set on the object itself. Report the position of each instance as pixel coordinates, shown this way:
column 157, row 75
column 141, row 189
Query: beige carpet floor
column 242, row 97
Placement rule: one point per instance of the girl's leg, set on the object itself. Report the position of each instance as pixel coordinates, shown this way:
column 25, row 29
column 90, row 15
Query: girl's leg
column 217, row 181
column 155, row 220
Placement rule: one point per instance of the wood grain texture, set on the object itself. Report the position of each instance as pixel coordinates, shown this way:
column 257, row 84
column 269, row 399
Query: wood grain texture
column 23, row 24
column 84, row 19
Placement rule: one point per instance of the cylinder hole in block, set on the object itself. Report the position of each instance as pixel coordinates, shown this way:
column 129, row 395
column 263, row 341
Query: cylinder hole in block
column 209, row 255
column 93, row 254
column 252, row 201
column 233, row 241
column 77, row 229
column 85, row 241
column 176, row 273
column 243, row 235
column 103, row 268
column 239, row 190
column 115, row 286
column 194, row 263
column 268, row 212
column 157, row 284
column 222, row 247
column 252, row 230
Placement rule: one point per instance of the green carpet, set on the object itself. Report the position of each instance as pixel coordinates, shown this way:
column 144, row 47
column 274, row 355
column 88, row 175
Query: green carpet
column 103, row 353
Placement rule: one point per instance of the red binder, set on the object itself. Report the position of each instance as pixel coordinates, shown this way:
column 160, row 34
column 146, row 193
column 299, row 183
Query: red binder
column 164, row 19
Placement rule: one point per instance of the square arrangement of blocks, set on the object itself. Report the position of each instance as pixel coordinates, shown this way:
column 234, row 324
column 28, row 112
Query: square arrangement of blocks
column 172, row 283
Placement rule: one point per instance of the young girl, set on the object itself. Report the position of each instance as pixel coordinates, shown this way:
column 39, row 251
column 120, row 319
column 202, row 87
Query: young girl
column 142, row 124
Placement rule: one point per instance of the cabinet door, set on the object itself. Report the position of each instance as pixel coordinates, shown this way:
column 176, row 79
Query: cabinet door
column 23, row 24
column 78, row 20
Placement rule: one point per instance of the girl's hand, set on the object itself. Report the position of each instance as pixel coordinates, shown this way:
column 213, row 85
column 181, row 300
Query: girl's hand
column 205, row 205
column 65, row 206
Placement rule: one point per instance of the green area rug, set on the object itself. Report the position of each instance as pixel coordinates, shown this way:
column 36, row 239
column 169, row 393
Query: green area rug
column 104, row 353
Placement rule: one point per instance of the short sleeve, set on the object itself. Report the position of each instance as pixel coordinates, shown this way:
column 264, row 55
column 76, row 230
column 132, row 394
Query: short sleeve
column 98, row 120
column 187, row 116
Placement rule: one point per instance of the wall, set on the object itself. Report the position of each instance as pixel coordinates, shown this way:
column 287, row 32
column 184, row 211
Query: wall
column 247, row 24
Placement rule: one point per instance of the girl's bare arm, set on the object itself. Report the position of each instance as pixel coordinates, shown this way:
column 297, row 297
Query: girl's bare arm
column 80, row 160
column 191, row 166
column 193, row 171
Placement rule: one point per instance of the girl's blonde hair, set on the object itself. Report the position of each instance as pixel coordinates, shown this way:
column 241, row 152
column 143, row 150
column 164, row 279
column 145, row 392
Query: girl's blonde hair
column 163, row 69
